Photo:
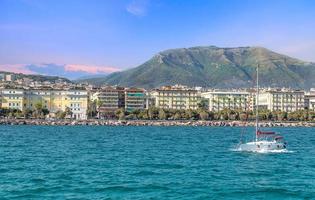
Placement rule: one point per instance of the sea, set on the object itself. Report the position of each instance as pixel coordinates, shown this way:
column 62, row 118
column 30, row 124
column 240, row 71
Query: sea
column 102, row 162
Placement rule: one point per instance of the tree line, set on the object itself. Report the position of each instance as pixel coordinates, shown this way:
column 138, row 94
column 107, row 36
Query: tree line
column 154, row 113
column 39, row 112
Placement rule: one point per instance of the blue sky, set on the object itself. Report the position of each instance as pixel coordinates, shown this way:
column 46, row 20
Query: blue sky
column 73, row 38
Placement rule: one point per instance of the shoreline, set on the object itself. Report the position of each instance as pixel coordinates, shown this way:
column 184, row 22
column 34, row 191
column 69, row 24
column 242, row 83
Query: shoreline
column 98, row 122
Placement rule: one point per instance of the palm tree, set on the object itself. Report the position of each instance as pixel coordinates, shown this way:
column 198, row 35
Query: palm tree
column 68, row 112
column 38, row 109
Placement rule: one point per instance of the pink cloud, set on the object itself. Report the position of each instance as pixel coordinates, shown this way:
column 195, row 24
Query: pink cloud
column 90, row 68
column 16, row 68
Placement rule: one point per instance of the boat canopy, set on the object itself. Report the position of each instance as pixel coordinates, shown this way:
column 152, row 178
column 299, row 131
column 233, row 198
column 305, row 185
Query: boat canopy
column 265, row 132
column 278, row 137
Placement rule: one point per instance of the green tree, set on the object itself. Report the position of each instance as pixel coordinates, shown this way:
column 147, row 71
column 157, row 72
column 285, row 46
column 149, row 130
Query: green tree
column 45, row 111
column 243, row 116
column 38, row 110
column 60, row 114
column 153, row 113
column 177, row 116
column 120, row 114
column 204, row 115
column 203, row 104
column 68, row 112
column 162, row 114
column 92, row 109
column 27, row 113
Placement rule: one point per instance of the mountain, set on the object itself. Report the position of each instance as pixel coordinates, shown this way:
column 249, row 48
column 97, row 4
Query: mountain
column 35, row 77
column 90, row 77
column 216, row 67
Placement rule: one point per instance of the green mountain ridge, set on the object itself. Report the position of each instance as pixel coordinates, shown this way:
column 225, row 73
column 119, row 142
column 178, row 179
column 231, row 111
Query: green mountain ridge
column 216, row 67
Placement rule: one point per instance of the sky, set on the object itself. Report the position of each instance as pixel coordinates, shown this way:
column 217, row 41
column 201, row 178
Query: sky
column 76, row 38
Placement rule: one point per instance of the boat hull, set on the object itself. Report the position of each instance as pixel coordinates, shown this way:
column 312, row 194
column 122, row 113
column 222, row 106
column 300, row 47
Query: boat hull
column 261, row 146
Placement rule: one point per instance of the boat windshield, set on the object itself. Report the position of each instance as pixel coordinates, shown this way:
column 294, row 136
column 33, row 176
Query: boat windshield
column 270, row 137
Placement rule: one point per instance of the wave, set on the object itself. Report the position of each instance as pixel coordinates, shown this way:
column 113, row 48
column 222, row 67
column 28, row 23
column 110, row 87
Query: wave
column 263, row 151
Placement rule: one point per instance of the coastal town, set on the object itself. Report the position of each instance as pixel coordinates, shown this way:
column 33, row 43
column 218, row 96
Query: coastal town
column 28, row 99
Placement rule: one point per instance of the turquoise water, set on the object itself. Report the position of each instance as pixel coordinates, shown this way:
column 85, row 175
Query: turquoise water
column 38, row 162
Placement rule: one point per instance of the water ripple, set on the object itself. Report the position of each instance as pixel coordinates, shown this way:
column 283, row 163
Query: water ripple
column 42, row 162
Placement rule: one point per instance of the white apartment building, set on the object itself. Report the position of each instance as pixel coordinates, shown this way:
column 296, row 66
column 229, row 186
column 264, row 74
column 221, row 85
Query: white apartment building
column 232, row 100
column 285, row 100
column 176, row 97
column 310, row 100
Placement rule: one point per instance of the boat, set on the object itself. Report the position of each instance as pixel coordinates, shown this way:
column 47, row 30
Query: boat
column 265, row 141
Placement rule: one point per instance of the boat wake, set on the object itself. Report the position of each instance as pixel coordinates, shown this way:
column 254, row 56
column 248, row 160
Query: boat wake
column 263, row 151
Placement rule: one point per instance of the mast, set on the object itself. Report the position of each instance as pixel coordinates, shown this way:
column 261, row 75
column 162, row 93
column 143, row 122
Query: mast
column 257, row 106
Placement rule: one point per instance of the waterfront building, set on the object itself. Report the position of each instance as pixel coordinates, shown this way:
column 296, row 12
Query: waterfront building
column 12, row 98
column 77, row 101
column 47, row 98
column 134, row 99
column 285, row 100
column 36, row 97
column 149, row 99
column 229, row 99
column 310, row 100
column 108, row 100
column 176, row 97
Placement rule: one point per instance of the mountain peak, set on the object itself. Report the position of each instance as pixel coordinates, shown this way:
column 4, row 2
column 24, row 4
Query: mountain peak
column 211, row 66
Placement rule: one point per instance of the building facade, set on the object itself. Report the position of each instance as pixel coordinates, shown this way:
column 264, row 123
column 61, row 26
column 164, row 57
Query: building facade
column 108, row 100
column 135, row 99
column 176, row 97
column 53, row 100
column 284, row 100
column 232, row 100
column 77, row 100
column 310, row 100
column 13, row 98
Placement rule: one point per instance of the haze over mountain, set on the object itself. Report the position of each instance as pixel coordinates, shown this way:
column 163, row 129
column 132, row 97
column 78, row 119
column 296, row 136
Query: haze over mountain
column 37, row 77
column 212, row 66
column 69, row 71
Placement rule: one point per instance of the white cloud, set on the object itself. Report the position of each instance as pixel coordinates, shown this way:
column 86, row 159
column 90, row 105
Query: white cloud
column 71, row 71
column 138, row 7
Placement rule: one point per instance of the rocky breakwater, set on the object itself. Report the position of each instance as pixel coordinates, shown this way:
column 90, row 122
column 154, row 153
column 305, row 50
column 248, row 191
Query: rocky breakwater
column 97, row 122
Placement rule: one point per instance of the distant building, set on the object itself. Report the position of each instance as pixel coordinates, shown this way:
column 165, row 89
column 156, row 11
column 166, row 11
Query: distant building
column 77, row 101
column 13, row 99
column 108, row 100
column 285, row 100
column 232, row 100
column 134, row 99
column 2, row 77
column 310, row 100
column 53, row 100
column 9, row 77
column 149, row 99
column 176, row 97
